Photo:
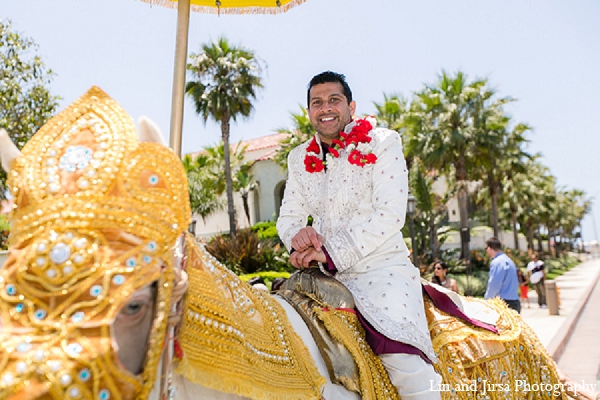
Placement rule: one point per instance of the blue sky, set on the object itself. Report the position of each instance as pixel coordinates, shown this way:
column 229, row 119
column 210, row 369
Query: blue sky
column 545, row 53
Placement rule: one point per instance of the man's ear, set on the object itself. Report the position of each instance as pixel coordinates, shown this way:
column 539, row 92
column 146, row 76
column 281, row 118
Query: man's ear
column 352, row 107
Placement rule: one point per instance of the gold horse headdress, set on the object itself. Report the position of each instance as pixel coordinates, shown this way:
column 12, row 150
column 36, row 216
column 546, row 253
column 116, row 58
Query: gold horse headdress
column 96, row 216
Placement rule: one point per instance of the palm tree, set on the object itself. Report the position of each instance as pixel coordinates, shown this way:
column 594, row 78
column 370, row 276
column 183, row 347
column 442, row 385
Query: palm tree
column 216, row 154
column 499, row 153
column 244, row 183
column 574, row 206
column 203, row 178
column 530, row 193
column 206, row 177
column 300, row 133
column 390, row 114
column 391, row 110
column 431, row 206
column 226, row 79
column 442, row 133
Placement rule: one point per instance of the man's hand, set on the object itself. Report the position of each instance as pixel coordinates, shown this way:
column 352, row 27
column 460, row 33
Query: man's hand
column 307, row 237
column 303, row 259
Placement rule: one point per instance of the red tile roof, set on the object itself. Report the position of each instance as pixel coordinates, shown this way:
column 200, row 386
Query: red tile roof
column 269, row 156
column 264, row 142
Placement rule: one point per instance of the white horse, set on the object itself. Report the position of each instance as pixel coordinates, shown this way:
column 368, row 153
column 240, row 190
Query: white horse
column 135, row 319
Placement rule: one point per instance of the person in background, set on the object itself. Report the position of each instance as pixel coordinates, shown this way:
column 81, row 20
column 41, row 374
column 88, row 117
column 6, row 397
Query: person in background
column 440, row 276
column 537, row 276
column 523, row 287
column 503, row 281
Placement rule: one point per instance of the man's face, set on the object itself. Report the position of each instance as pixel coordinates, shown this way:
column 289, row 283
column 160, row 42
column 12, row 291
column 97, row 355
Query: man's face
column 329, row 111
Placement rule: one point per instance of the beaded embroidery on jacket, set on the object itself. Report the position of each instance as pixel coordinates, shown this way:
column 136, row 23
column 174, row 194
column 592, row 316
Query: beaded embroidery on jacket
column 359, row 211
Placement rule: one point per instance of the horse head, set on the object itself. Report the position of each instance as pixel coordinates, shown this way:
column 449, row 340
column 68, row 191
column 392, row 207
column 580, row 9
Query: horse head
column 86, row 290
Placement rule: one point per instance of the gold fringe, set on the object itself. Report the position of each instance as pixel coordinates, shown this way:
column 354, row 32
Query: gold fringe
column 213, row 9
column 242, row 387
column 345, row 327
column 478, row 364
column 236, row 339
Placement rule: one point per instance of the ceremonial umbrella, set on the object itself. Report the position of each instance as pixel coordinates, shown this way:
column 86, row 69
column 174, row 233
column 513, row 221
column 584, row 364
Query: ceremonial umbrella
column 183, row 19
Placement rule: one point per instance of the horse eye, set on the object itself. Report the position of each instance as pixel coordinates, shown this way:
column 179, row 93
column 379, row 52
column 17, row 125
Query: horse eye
column 133, row 308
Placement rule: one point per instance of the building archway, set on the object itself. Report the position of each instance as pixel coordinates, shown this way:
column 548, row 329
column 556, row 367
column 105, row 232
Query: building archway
column 279, row 191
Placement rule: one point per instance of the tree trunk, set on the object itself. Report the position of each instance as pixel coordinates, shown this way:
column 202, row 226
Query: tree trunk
column 494, row 195
column 530, row 236
column 228, row 179
column 246, row 207
column 513, row 220
column 551, row 242
column 433, row 239
column 540, row 245
column 463, row 197
column 581, row 236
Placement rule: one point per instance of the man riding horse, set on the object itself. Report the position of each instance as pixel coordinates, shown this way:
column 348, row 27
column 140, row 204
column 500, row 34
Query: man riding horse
column 93, row 274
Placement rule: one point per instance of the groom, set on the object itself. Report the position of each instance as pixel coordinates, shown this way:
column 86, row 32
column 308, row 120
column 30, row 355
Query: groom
column 351, row 177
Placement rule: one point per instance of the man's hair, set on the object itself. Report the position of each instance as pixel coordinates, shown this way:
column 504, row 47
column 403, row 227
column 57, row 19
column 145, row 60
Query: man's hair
column 329, row 77
column 494, row 244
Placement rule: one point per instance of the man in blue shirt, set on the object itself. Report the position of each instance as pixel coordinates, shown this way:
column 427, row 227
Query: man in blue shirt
column 503, row 281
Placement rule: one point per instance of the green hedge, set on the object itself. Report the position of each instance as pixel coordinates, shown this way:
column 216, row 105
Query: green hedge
column 266, row 230
column 267, row 276
column 4, row 231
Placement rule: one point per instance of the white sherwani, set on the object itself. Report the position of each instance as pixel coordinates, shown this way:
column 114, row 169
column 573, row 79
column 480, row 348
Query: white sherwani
column 359, row 211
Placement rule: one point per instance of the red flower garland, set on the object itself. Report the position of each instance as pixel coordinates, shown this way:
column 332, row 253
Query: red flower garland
column 354, row 142
column 313, row 164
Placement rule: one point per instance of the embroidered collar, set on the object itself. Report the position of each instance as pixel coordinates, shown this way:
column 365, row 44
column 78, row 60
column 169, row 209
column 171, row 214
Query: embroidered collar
column 355, row 140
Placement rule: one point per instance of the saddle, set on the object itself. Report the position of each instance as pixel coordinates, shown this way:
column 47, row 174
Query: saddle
column 327, row 308
column 472, row 360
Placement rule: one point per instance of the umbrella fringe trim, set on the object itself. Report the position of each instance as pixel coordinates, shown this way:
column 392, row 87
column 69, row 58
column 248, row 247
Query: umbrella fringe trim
column 230, row 10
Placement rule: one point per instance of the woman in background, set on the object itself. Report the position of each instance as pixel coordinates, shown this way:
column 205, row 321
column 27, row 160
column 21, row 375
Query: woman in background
column 440, row 277
column 523, row 287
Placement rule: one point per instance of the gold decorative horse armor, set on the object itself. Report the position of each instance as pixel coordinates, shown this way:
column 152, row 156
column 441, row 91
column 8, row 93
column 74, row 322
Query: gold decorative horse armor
column 95, row 219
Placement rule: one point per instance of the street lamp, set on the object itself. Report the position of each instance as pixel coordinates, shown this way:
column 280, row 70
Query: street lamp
column 410, row 210
column 192, row 227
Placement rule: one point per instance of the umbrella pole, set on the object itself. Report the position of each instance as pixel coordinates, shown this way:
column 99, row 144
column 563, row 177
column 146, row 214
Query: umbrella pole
column 181, row 45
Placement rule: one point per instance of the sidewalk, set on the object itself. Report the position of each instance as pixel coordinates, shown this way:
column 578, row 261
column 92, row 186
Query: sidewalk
column 581, row 358
column 554, row 331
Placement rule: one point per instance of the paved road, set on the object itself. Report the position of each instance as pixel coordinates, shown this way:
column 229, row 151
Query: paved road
column 573, row 336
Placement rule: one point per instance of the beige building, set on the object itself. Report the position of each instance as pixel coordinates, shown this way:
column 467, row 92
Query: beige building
column 264, row 202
